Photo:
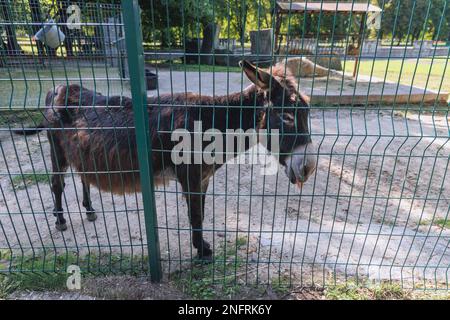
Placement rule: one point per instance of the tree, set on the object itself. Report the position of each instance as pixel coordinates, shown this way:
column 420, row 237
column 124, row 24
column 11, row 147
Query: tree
column 440, row 19
column 239, row 9
column 405, row 19
column 62, row 6
column 171, row 20
column 11, row 44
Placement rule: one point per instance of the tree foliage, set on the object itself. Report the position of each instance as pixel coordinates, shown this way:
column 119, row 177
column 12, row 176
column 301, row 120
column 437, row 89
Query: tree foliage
column 169, row 22
column 410, row 20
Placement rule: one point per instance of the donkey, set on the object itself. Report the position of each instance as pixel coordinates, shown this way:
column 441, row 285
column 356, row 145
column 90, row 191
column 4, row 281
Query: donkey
column 100, row 142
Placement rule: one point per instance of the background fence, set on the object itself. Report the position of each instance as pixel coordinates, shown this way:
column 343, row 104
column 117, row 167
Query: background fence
column 376, row 208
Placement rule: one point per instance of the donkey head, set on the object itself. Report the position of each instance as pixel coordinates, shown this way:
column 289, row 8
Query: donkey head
column 286, row 110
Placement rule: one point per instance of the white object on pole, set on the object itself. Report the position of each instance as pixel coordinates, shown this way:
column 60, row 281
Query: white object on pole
column 50, row 35
column 374, row 20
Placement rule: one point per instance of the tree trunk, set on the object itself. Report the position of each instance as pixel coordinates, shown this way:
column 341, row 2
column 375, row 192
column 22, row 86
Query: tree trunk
column 241, row 17
column 210, row 34
column 243, row 21
column 68, row 41
column 12, row 46
column 407, row 39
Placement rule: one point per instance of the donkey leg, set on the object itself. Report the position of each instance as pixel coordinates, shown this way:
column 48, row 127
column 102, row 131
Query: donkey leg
column 196, row 205
column 58, row 188
column 59, row 166
column 90, row 212
column 203, row 247
column 195, row 199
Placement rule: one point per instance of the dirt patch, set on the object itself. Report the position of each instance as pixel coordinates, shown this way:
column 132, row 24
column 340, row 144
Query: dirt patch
column 130, row 288
column 108, row 288
column 39, row 295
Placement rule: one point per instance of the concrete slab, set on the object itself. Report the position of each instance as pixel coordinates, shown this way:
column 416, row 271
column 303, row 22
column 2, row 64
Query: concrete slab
column 334, row 91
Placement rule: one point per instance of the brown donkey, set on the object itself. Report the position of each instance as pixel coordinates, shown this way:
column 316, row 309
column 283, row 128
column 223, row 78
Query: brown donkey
column 99, row 143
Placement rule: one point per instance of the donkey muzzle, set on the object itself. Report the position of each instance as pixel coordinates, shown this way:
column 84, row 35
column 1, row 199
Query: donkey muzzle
column 301, row 164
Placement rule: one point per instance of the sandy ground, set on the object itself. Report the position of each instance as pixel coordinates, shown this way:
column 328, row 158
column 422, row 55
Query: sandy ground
column 381, row 183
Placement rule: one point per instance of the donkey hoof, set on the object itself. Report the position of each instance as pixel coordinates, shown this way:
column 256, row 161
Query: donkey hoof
column 60, row 223
column 205, row 255
column 91, row 216
column 205, row 259
column 61, row 226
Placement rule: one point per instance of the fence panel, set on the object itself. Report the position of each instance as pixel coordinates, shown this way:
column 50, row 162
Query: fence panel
column 91, row 56
column 351, row 99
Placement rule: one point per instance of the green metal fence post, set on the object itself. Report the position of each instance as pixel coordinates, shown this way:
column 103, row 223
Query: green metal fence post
column 133, row 35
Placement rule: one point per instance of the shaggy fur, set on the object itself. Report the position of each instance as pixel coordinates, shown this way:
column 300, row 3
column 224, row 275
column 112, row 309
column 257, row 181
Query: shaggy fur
column 95, row 135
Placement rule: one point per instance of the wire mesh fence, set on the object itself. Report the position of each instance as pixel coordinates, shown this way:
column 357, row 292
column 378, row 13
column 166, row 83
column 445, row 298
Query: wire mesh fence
column 150, row 161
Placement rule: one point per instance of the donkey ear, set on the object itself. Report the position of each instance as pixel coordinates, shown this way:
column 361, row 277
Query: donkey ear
column 258, row 76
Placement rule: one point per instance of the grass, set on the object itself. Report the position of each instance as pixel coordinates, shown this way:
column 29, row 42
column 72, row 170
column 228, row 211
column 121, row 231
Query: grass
column 21, row 182
column 178, row 66
column 29, row 88
column 443, row 223
column 282, row 285
column 7, row 287
column 410, row 72
column 19, row 118
column 48, row 272
column 385, row 291
column 217, row 280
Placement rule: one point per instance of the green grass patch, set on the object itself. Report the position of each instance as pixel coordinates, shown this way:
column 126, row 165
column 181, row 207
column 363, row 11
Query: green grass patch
column 282, row 285
column 350, row 291
column 423, row 73
column 49, row 272
column 7, row 287
column 216, row 280
column 29, row 87
column 381, row 291
column 443, row 223
column 5, row 254
column 19, row 118
column 178, row 66
column 21, row 182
